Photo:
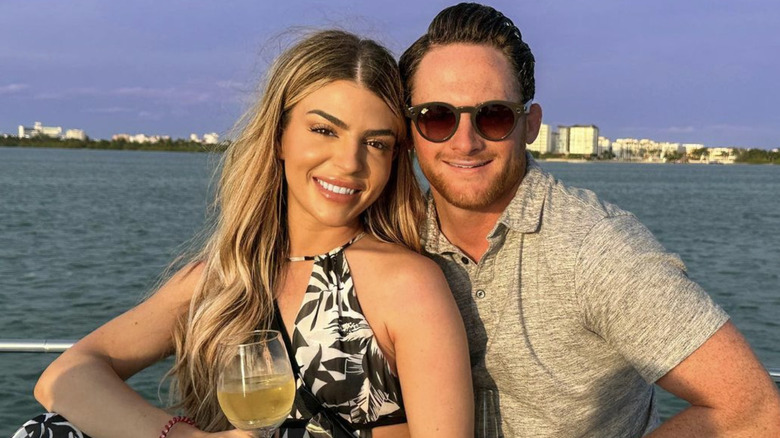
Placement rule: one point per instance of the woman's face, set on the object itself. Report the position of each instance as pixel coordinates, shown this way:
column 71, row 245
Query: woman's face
column 338, row 151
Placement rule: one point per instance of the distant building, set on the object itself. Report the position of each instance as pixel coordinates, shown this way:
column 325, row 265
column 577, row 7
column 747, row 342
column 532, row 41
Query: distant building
column 584, row 140
column 723, row 155
column 690, row 147
column 543, row 143
column 75, row 134
column 668, row 149
column 194, row 138
column 211, row 138
column 562, row 145
column 140, row 138
column 39, row 130
column 604, row 145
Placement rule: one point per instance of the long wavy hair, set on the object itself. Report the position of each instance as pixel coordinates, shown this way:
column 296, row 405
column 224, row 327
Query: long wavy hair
column 246, row 254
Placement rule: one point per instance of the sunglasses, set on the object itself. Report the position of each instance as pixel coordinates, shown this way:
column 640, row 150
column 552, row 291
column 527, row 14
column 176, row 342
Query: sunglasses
column 493, row 120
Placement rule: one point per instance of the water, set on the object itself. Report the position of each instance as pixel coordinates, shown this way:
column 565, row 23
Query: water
column 84, row 235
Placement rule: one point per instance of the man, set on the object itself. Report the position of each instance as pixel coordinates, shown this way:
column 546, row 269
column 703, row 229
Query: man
column 573, row 309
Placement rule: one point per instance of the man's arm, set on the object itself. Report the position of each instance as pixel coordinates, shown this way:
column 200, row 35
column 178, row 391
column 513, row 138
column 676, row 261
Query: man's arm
column 730, row 392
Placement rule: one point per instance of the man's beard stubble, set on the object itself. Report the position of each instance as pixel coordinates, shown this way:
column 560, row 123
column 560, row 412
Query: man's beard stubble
column 501, row 186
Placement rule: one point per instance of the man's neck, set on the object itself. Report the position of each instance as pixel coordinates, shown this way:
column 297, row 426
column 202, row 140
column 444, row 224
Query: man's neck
column 468, row 229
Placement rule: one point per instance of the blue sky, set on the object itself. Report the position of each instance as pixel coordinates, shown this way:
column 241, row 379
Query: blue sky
column 690, row 71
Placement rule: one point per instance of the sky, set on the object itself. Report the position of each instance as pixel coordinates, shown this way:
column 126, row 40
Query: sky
column 692, row 71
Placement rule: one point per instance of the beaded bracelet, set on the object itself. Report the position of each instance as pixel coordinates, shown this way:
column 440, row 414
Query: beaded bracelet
column 173, row 421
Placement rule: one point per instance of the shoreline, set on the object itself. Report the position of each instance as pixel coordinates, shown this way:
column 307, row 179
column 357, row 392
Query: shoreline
column 191, row 147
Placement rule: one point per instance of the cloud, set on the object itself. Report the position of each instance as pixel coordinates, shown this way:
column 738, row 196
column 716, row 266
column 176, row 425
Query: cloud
column 109, row 110
column 680, row 129
column 69, row 93
column 731, row 128
column 149, row 115
column 177, row 96
column 13, row 88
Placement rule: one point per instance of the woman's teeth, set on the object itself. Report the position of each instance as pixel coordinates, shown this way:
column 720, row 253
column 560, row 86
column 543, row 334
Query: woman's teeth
column 336, row 189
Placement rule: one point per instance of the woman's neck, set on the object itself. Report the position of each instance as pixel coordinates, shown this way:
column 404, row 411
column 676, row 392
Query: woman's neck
column 309, row 241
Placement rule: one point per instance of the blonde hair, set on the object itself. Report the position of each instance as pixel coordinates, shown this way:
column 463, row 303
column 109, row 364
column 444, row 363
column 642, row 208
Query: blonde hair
column 245, row 256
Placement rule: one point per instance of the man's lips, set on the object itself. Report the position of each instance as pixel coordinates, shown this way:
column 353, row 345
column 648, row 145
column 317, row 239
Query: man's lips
column 468, row 164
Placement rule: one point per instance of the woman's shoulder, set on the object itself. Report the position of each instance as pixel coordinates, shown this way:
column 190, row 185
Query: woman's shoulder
column 394, row 262
column 392, row 274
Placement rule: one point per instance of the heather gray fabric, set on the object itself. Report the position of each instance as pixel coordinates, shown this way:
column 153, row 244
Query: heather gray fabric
column 573, row 312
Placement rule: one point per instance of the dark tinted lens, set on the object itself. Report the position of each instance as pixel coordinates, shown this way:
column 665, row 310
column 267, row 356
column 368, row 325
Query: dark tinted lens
column 436, row 122
column 495, row 121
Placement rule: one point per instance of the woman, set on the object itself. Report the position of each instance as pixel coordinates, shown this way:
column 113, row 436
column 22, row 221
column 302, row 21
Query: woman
column 320, row 175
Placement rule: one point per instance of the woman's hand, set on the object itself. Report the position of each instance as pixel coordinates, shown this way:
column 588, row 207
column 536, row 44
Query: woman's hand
column 184, row 430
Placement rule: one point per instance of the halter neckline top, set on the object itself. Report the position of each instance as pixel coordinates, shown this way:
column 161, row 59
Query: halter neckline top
column 337, row 354
column 331, row 252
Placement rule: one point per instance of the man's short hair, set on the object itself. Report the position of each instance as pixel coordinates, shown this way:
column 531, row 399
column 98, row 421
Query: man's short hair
column 473, row 23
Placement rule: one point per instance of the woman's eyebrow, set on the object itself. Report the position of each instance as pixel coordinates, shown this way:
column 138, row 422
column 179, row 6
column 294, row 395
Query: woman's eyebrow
column 333, row 119
column 341, row 124
column 379, row 133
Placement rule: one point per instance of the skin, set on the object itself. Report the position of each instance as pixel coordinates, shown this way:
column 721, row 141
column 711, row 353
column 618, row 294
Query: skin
column 470, row 199
column 729, row 391
column 345, row 135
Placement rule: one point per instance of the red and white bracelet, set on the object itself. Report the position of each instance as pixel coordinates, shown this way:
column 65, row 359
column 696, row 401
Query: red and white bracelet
column 173, row 421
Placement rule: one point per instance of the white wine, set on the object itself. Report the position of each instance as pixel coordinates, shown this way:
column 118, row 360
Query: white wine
column 257, row 402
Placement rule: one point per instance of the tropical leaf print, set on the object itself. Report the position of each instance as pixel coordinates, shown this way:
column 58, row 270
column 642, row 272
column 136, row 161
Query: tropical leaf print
column 49, row 425
column 336, row 351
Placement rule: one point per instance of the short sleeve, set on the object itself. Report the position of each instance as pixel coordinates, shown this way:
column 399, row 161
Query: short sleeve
column 639, row 299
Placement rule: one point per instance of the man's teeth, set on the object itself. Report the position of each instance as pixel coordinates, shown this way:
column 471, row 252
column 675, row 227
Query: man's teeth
column 467, row 166
column 336, row 189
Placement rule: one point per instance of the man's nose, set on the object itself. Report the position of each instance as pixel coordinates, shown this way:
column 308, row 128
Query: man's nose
column 466, row 140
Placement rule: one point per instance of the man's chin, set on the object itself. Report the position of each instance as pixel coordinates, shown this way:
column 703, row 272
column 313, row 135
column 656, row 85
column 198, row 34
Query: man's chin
column 468, row 198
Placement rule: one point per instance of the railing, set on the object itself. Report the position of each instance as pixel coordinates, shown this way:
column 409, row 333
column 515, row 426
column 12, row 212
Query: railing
column 34, row 346
column 58, row 346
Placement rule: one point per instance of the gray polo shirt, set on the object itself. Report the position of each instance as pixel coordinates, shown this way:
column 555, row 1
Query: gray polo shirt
column 572, row 313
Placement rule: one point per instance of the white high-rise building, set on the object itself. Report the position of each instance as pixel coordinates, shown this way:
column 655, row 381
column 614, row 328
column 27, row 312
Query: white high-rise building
column 38, row 130
column 604, row 145
column 543, row 143
column 583, row 140
column 562, row 145
column 75, row 134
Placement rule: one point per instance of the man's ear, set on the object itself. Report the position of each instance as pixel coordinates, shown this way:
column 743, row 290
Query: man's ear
column 533, row 121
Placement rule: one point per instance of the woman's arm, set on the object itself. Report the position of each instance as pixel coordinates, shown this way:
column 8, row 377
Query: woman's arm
column 86, row 383
column 431, row 351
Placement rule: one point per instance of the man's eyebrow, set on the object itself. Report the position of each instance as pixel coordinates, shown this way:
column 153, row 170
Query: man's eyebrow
column 333, row 119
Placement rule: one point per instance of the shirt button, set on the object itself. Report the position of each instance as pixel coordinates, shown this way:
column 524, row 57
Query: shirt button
column 465, row 260
column 480, row 293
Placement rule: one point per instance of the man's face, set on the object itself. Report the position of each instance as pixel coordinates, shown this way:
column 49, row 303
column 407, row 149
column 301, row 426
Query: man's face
column 467, row 170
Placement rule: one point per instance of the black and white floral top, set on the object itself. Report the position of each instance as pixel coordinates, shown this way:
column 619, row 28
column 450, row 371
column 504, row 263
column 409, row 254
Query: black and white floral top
column 338, row 356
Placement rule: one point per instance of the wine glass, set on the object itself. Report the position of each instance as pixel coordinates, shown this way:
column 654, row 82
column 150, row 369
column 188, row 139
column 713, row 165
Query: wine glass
column 256, row 386
column 486, row 418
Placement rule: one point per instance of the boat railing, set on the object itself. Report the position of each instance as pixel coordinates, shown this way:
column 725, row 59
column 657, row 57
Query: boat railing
column 34, row 346
column 58, row 346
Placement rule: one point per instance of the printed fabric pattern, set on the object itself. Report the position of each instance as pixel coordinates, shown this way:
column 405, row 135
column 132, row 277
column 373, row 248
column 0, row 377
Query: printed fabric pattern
column 338, row 355
column 48, row 425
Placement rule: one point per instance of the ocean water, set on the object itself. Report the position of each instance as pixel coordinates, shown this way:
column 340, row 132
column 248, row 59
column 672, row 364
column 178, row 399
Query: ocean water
column 85, row 235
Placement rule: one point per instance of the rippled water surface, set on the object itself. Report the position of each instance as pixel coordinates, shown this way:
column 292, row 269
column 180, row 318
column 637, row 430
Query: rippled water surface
column 84, row 235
